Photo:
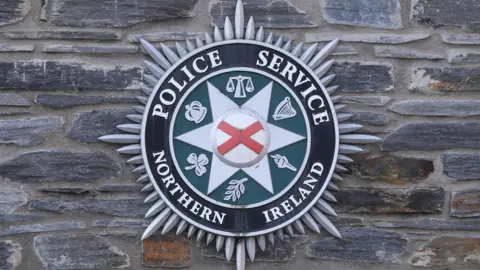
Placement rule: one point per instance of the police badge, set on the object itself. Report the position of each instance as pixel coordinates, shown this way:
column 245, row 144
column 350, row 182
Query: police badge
column 239, row 138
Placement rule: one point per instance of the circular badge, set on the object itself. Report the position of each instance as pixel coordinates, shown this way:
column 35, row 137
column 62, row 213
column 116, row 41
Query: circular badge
column 239, row 138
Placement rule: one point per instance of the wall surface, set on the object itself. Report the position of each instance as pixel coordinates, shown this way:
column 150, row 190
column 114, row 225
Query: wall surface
column 409, row 72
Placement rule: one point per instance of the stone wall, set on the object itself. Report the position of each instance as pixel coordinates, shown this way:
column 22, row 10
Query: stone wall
column 409, row 70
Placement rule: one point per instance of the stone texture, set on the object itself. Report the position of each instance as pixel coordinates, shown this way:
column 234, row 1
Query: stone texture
column 45, row 166
column 12, row 111
column 361, row 245
column 376, row 101
column 340, row 49
column 280, row 251
column 392, row 169
column 120, row 208
column 357, row 77
column 117, row 13
column 406, row 53
column 64, row 190
column 429, row 224
column 446, row 13
column 433, row 136
column 390, row 200
column 28, row 132
column 449, row 251
column 369, row 118
column 270, row 14
column 7, row 99
column 12, row 197
column 461, row 166
column 64, row 34
column 69, row 101
column 456, row 108
column 347, row 222
column 380, row 38
column 463, row 56
column 10, row 255
column 92, row 49
column 78, row 251
column 166, row 36
column 18, row 218
column 371, row 13
column 55, row 75
column 16, row 48
column 467, row 39
column 42, row 227
column 125, row 223
column 445, row 79
column 88, row 126
column 13, row 11
column 120, row 188
column 465, row 203
column 170, row 251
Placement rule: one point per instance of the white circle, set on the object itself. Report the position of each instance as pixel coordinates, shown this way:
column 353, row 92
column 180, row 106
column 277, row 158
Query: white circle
column 236, row 149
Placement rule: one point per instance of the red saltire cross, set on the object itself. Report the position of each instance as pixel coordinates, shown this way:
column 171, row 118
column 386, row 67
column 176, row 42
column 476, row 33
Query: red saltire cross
column 239, row 136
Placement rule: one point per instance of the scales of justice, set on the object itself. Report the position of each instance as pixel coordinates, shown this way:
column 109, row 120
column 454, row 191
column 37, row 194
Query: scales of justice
column 240, row 88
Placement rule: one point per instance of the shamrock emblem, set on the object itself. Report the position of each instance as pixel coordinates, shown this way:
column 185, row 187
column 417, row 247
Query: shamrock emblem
column 197, row 163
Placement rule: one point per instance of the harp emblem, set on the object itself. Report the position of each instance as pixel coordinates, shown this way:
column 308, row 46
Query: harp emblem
column 284, row 110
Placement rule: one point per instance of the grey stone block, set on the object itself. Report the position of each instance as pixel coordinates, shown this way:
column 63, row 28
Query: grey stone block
column 134, row 208
column 88, row 126
column 461, row 166
column 54, row 75
column 52, row 166
column 361, row 245
column 390, row 200
column 120, row 188
column 369, row 118
column 69, row 101
column 445, row 79
column 446, row 13
column 42, row 227
column 10, row 255
column 63, row 190
column 78, row 251
column 166, row 36
column 92, row 49
column 456, row 108
column 465, row 203
column 122, row 223
column 433, row 136
column 357, row 77
column 376, row 101
column 14, row 11
column 429, row 224
column 16, row 48
column 28, row 132
column 467, row 39
column 12, row 197
column 380, row 38
column 371, row 13
column 406, row 53
column 117, row 13
column 7, row 99
column 270, row 14
column 64, row 34
column 19, row 218
column 463, row 56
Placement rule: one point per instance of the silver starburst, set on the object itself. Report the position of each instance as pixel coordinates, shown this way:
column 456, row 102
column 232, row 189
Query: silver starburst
column 165, row 219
